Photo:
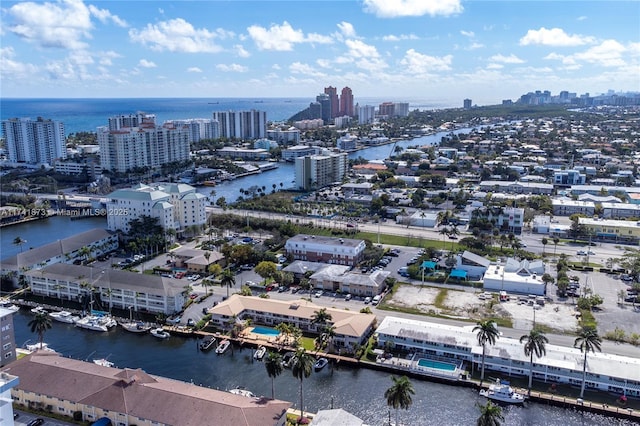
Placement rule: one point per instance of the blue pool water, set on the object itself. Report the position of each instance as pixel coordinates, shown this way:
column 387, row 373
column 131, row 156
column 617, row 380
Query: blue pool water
column 423, row 362
column 265, row 331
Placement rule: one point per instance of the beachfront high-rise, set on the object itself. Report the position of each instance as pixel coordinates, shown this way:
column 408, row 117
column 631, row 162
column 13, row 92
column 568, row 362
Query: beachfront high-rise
column 366, row 114
column 40, row 141
column 335, row 102
column 124, row 148
column 318, row 171
column 242, row 124
column 346, row 102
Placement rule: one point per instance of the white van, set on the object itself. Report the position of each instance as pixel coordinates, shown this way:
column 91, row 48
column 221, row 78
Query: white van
column 376, row 299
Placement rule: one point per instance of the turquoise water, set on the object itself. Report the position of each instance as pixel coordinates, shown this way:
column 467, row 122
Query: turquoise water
column 423, row 362
column 265, row 331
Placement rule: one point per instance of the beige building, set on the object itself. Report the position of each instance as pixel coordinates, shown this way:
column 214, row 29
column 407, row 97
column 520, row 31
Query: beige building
column 613, row 230
column 351, row 328
column 65, row 386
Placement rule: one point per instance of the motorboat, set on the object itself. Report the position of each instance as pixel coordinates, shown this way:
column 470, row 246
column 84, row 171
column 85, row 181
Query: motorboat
column 39, row 346
column 260, row 353
column 135, row 326
column 242, row 392
column 207, row 343
column 287, row 359
column 38, row 310
column 91, row 322
column 320, row 364
column 223, row 346
column 160, row 333
column 64, row 317
column 103, row 362
column 500, row 391
column 6, row 304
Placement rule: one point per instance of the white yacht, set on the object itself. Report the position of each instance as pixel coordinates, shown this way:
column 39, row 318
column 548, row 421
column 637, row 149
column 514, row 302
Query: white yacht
column 39, row 346
column 64, row 316
column 160, row 333
column 6, row 304
column 96, row 323
column 242, row 392
column 103, row 362
column 502, row 392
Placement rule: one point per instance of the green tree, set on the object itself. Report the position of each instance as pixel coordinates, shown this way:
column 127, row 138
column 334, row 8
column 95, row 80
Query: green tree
column 534, row 343
column 40, row 324
column 18, row 241
column 321, row 317
column 228, row 280
column 490, row 415
column 266, row 269
column 399, row 394
column 587, row 341
column 556, row 240
column 486, row 332
column 273, row 365
column 544, row 245
column 300, row 369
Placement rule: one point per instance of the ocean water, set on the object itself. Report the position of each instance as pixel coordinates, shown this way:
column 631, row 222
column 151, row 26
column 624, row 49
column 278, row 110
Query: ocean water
column 87, row 114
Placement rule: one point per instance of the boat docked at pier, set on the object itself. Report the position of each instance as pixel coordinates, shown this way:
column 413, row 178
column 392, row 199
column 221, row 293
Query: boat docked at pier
column 260, row 353
column 135, row 326
column 160, row 333
column 96, row 323
column 207, row 343
column 39, row 346
column 65, row 317
column 320, row 364
column 38, row 310
column 500, row 391
column 6, row 304
column 243, row 392
column 103, row 362
column 224, row 345
column 288, row 359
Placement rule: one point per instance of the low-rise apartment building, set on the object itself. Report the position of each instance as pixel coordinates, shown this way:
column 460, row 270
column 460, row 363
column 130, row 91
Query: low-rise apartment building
column 65, row 386
column 620, row 210
column 567, row 207
column 314, row 248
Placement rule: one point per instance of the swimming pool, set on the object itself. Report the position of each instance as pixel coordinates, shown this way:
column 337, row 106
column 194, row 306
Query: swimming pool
column 265, row 331
column 437, row 365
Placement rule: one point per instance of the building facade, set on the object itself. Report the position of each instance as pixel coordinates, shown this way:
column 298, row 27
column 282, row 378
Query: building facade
column 7, row 337
column 244, row 125
column 40, row 141
column 366, row 114
column 314, row 248
column 198, row 128
column 176, row 206
column 346, row 102
column 284, row 135
column 335, row 102
column 318, row 171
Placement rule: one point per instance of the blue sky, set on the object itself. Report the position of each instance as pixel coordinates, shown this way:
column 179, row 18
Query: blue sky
column 433, row 50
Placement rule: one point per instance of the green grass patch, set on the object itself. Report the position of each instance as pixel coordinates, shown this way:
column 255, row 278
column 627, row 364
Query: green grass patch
column 440, row 298
column 587, row 319
column 307, row 343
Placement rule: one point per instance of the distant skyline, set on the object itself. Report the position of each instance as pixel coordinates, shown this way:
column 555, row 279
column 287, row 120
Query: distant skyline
column 438, row 50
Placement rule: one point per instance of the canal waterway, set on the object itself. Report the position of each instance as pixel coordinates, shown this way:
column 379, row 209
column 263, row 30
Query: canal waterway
column 359, row 391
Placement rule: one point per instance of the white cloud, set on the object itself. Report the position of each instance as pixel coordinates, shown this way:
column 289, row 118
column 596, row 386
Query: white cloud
column 240, row 51
column 305, row 69
column 360, row 49
column 107, row 57
column 511, row 59
column 105, row 16
column 495, row 66
column 64, row 24
column 608, row 54
column 554, row 37
column 176, row 35
column 12, row 68
column 347, row 29
column 282, row 37
column 582, row 18
column 194, row 69
column 146, row 64
column 398, row 8
column 417, row 63
column 324, row 63
column 231, row 68
column 474, row 46
column 399, row 37
column 470, row 34
column 276, row 67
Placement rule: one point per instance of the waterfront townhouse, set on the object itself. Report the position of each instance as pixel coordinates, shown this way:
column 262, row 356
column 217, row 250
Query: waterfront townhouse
column 176, row 206
column 567, row 207
column 625, row 231
column 68, row 250
column 315, row 248
column 620, row 210
column 69, row 387
column 605, row 372
column 351, row 328
column 109, row 288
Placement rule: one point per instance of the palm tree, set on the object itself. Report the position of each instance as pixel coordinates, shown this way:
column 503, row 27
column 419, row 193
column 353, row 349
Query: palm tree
column 228, row 279
column 39, row 324
column 273, row 364
column 18, row 241
column 544, row 244
column 556, row 240
column 588, row 341
column 534, row 343
column 321, row 317
column 487, row 332
column 399, row 394
column 490, row 415
column 300, row 369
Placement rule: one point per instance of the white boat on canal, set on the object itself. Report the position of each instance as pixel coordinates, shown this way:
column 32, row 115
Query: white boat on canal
column 502, row 392
column 160, row 333
column 64, row 317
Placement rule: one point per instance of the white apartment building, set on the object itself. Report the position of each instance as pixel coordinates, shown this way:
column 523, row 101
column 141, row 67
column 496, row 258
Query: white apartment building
column 318, row 171
column 232, row 152
column 293, row 152
column 568, row 206
column 198, row 128
column 176, row 206
column 147, row 145
column 90, row 166
column 242, row 124
column 315, row 248
column 40, row 141
column 366, row 114
column 620, row 210
column 282, row 135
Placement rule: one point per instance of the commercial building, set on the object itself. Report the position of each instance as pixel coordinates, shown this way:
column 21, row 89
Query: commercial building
column 605, row 372
column 176, row 206
column 40, row 141
column 475, row 266
column 127, row 396
column 318, row 171
column 147, row 145
column 422, row 219
column 347, row 142
column 69, row 167
column 243, row 125
column 112, row 288
column 569, row 177
column 516, row 187
column 612, row 230
column 315, row 248
column 521, row 277
column 351, row 328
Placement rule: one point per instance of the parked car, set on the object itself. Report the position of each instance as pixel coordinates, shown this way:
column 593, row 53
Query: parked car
column 191, row 322
column 318, row 293
column 367, row 300
column 347, row 296
column 35, row 422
